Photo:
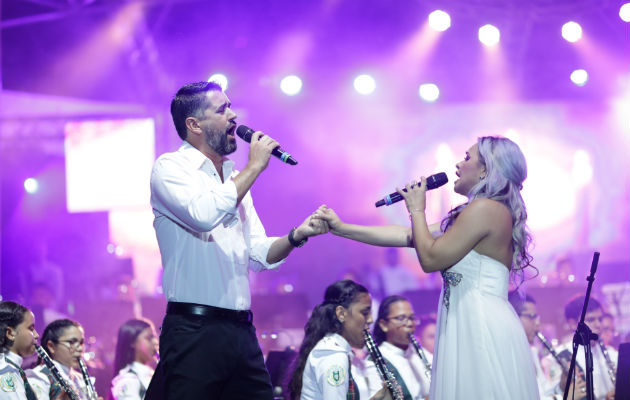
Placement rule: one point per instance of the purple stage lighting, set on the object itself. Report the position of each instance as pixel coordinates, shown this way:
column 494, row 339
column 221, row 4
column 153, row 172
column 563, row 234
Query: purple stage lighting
column 579, row 77
column 439, row 20
column 220, row 80
column 31, row 185
column 364, row 84
column 429, row 92
column 291, row 85
column 489, row 35
column 572, row 31
column 624, row 12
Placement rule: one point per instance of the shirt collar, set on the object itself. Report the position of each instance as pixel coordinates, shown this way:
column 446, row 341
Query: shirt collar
column 395, row 349
column 199, row 160
column 15, row 358
column 140, row 368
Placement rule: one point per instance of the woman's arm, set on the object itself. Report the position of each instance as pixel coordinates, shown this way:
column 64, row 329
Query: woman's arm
column 387, row 236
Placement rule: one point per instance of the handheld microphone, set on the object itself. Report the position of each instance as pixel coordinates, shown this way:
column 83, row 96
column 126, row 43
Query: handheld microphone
column 434, row 181
column 246, row 133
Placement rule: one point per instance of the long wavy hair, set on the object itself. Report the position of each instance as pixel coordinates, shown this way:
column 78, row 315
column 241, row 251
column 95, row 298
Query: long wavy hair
column 506, row 170
column 323, row 321
column 125, row 345
column 383, row 312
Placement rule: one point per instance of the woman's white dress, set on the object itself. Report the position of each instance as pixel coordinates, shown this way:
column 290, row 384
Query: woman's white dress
column 481, row 351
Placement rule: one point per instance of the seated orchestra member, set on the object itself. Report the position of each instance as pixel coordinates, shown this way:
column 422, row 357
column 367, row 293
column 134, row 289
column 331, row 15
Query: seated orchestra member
column 396, row 321
column 136, row 351
column 63, row 341
column 322, row 369
column 603, row 385
column 527, row 311
column 18, row 340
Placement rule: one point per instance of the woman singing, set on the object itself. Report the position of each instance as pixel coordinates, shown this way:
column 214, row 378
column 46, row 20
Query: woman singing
column 481, row 350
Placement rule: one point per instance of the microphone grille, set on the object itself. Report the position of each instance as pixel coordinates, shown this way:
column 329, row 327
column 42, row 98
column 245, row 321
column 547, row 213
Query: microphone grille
column 437, row 180
column 245, row 133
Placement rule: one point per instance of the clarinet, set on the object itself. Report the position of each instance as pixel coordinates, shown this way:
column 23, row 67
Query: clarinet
column 423, row 357
column 381, row 367
column 88, row 382
column 563, row 359
column 609, row 363
column 53, row 369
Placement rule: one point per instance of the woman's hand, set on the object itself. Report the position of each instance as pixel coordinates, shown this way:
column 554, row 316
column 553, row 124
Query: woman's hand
column 327, row 215
column 415, row 196
column 311, row 227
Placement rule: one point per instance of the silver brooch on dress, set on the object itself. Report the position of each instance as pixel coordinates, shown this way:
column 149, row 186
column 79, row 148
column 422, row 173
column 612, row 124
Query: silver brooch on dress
column 450, row 278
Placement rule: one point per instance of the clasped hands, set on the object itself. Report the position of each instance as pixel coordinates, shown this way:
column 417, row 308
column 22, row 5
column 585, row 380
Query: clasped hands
column 325, row 220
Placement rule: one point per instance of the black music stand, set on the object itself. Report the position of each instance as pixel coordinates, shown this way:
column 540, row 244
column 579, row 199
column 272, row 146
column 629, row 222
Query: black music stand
column 583, row 336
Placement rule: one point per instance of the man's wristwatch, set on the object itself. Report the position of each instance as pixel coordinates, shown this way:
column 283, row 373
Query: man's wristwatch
column 294, row 242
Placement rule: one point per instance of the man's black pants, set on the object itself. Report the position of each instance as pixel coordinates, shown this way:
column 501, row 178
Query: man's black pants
column 214, row 355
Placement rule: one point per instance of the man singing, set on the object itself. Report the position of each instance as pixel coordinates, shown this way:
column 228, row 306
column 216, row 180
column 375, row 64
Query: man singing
column 209, row 236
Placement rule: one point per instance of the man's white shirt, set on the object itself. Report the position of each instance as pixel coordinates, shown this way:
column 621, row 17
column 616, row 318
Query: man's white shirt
column 207, row 242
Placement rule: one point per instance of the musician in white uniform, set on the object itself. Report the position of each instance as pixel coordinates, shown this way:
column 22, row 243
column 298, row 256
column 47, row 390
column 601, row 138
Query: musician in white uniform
column 396, row 321
column 603, row 373
column 63, row 341
column 136, row 351
column 18, row 340
column 322, row 369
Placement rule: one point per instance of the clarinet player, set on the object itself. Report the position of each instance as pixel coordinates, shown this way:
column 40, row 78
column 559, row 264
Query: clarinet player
column 412, row 367
column 323, row 369
column 62, row 341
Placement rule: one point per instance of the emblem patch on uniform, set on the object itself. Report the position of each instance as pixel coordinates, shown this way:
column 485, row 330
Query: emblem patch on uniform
column 6, row 383
column 336, row 375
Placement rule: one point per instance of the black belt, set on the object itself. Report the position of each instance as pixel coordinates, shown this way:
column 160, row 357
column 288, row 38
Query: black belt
column 209, row 311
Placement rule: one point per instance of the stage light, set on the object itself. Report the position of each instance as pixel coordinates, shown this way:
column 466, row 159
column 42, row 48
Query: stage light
column 364, row 84
column 439, row 20
column 291, row 85
column 579, row 77
column 111, row 248
column 572, row 31
column 582, row 172
column 31, row 185
column 220, row 80
column 429, row 92
column 624, row 12
column 489, row 35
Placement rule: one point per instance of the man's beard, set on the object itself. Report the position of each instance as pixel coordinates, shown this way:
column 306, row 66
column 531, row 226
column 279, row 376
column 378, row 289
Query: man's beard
column 218, row 141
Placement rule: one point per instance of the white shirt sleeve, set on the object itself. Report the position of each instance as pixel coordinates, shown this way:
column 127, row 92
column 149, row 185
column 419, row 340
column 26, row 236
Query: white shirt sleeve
column 198, row 206
column 332, row 376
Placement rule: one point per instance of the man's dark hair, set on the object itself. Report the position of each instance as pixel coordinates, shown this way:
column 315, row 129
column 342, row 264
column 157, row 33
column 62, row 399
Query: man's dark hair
column 573, row 309
column 518, row 302
column 190, row 101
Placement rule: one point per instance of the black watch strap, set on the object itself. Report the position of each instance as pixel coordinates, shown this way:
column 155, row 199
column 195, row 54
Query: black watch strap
column 294, row 242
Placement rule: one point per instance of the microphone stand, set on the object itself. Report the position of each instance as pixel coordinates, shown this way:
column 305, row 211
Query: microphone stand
column 583, row 336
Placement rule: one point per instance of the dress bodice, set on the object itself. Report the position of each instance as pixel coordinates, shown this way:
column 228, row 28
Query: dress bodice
column 480, row 272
